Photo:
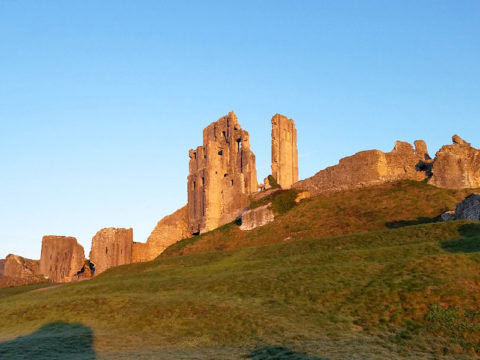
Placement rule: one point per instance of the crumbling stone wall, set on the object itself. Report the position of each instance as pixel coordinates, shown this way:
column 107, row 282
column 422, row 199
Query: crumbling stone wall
column 222, row 174
column 62, row 257
column 111, row 247
column 469, row 208
column 168, row 231
column 456, row 166
column 2, row 266
column 284, row 151
column 254, row 218
column 368, row 168
column 19, row 267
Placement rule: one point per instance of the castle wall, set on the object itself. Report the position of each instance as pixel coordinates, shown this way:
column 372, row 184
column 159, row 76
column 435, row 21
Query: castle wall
column 111, row 247
column 20, row 267
column 456, row 166
column 368, row 168
column 61, row 258
column 284, row 151
column 222, row 174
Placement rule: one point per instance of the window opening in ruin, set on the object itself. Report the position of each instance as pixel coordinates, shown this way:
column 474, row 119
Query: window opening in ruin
column 106, row 250
column 195, row 155
column 224, row 134
column 194, row 185
column 196, row 233
column 225, row 175
column 220, row 152
column 241, row 164
column 232, row 182
column 203, row 181
column 239, row 145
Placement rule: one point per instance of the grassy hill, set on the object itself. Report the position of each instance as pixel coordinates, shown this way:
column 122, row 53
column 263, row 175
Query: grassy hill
column 387, row 292
column 346, row 212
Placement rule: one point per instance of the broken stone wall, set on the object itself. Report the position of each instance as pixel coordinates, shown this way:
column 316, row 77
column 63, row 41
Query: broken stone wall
column 222, row 174
column 456, row 166
column 19, row 267
column 368, row 168
column 2, row 266
column 62, row 257
column 111, row 247
column 254, row 218
column 284, row 151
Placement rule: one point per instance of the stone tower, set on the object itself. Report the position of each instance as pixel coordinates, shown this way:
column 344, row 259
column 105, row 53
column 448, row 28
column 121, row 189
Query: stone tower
column 222, row 174
column 284, row 151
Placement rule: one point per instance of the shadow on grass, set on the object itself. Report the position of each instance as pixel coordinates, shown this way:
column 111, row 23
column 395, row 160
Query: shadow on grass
column 468, row 243
column 417, row 221
column 58, row 340
column 278, row 353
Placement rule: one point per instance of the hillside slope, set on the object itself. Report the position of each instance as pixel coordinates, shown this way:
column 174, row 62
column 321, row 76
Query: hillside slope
column 336, row 213
column 405, row 293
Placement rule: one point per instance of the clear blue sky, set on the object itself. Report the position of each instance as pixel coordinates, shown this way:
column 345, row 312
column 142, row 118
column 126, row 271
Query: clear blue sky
column 100, row 101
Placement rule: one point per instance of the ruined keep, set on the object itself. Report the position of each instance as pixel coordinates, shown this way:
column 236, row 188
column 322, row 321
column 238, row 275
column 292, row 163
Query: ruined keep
column 284, row 151
column 111, row 247
column 222, row 174
column 62, row 257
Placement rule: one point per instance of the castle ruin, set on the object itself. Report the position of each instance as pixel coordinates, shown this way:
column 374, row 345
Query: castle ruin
column 222, row 174
column 284, row 151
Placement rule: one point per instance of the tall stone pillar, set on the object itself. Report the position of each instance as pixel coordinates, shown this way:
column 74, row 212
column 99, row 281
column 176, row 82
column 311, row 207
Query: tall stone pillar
column 284, row 151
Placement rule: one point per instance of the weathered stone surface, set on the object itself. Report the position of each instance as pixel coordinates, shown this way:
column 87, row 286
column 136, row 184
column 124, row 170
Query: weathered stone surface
column 222, row 174
column 168, row 231
column 254, row 218
column 2, row 266
column 19, row 267
column 456, row 166
column 62, row 257
column 448, row 215
column 111, row 247
column 284, row 151
column 469, row 208
column 368, row 168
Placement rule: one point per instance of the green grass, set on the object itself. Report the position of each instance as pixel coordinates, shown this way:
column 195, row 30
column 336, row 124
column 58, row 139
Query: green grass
column 403, row 293
column 374, row 208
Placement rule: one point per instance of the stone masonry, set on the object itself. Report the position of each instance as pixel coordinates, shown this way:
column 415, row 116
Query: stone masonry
column 222, row 174
column 62, row 257
column 111, row 247
column 368, row 168
column 168, row 231
column 456, row 166
column 257, row 217
column 284, row 151
column 20, row 267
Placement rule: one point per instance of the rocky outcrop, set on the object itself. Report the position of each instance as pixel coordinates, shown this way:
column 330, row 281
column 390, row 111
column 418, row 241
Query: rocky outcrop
column 448, row 215
column 62, row 257
column 222, row 174
column 284, row 151
column 168, row 231
column 20, row 267
column 368, row 168
column 456, row 166
column 302, row 195
column 469, row 208
column 254, row 218
column 111, row 247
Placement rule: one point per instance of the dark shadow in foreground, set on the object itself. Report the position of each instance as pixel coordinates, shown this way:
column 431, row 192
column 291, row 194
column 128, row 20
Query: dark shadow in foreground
column 468, row 243
column 279, row 353
column 58, row 340
column 417, row 221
